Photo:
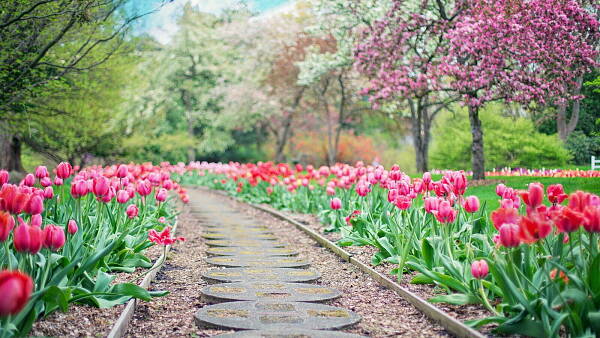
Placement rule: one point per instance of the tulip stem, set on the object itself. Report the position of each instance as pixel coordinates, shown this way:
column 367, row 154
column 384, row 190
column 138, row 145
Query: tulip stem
column 157, row 265
column 486, row 301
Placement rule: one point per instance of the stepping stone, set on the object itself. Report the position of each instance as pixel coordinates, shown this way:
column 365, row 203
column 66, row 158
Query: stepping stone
column 266, row 291
column 261, row 274
column 248, row 228
column 293, row 333
column 235, row 236
column 275, row 315
column 250, row 251
column 245, row 242
column 263, row 262
column 225, row 231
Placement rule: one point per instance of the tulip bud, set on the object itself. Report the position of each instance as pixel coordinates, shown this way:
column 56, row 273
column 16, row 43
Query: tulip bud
column 122, row 171
column 54, row 237
column 4, row 176
column 7, row 223
column 29, row 180
column 161, row 195
column 122, row 196
column 64, row 170
column 509, row 235
column 15, row 288
column 72, row 227
column 269, row 190
column 132, row 211
column 41, row 172
column 36, row 220
column 471, row 204
column 335, row 203
column 479, row 269
column 45, row 182
column 48, row 193
column 58, row 181
column 500, row 189
column 162, row 220
column 27, row 238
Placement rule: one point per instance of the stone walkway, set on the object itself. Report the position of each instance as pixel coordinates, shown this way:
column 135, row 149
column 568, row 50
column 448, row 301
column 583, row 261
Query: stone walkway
column 261, row 285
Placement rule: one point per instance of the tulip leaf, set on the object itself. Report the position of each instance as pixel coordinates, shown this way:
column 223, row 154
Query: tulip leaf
column 455, row 299
column 54, row 297
column 594, row 318
column 484, row 321
column 525, row 327
column 427, row 253
column 421, row 279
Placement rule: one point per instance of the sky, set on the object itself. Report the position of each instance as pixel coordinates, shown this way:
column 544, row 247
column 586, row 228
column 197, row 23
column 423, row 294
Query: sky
column 162, row 24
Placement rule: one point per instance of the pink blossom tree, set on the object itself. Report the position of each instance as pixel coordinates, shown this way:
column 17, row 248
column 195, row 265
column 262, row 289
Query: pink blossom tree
column 519, row 51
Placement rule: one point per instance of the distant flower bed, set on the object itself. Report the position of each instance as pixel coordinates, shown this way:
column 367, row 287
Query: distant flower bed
column 535, row 172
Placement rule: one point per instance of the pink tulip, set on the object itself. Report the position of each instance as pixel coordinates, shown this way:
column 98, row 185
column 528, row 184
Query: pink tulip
column 330, row 191
column 509, row 235
column 144, row 188
column 29, row 180
column 7, row 223
column 36, row 220
column 15, row 288
column 72, row 227
column 479, row 269
column 41, row 172
column 64, row 170
column 100, row 186
column 534, row 196
column 591, row 221
column 48, row 193
column 4, row 176
column 58, row 181
column 132, row 211
column 471, row 204
column 335, row 203
column 403, row 202
column 79, row 188
column 35, row 205
column 445, row 212
column 122, row 196
column 431, row 204
column 122, row 171
column 27, row 238
column 500, row 189
column 161, row 195
column 54, row 237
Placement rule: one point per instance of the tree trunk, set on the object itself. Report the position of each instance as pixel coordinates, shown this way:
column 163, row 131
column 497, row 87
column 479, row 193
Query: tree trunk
column 563, row 127
column 10, row 152
column 420, row 129
column 477, row 155
column 282, row 138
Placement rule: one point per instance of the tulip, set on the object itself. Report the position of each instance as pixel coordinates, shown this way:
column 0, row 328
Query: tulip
column 479, row 269
column 64, row 170
column 533, row 228
column 164, row 237
column 269, row 190
column 72, row 227
column 100, row 186
column 579, row 200
column 591, row 221
column 7, row 223
column 431, row 204
column 48, row 193
column 504, row 215
column 403, row 202
column 122, row 196
column 45, row 182
column 122, row 171
column 132, row 211
column 58, row 181
column 445, row 212
column 362, row 189
column 161, row 195
column 41, row 172
column 27, row 238
column 162, row 220
column 534, row 196
column 15, row 288
column 35, row 205
column 167, row 184
column 12, row 199
column 29, row 180
column 426, row 179
column 335, row 203
column 144, row 188
column 509, row 235
column 568, row 220
column 500, row 189
column 36, row 220
column 54, row 237
column 471, row 204
column 4, row 176
column 556, row 193
column 79, row 188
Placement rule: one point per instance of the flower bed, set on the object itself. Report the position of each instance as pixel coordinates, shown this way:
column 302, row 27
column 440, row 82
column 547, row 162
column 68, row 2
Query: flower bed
column 531, row 264
column 65, row 237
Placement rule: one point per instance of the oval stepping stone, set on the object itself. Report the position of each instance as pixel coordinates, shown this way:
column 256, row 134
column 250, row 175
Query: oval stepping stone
column 227, row 228
column 250, row 251
column 261, row 274
column 258, row 290
column 245, row 242
column 296, row 333
column 263, row 262
column 237, row 232
column 275, row 315
column 239, row 235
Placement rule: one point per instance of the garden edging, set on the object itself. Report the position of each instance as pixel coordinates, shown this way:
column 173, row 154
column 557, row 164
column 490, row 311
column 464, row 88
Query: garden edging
column 120, row 327
column 451, row 324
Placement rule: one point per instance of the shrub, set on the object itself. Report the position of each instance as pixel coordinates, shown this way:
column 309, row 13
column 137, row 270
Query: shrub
column 508, row 141
column 582, row 147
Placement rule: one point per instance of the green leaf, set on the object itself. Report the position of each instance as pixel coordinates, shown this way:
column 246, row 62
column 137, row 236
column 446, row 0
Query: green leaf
column 421, row 279
column 427, row 253
column 455, row 298
column 525, row 327
column 594, row 318
column 484, row 321
column 54, row 297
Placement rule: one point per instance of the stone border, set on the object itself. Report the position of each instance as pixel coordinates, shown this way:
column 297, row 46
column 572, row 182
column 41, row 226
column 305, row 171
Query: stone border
column 453, row 325
column 120, row 327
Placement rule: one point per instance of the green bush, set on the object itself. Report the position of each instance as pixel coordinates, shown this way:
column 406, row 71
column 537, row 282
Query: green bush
column 508, row 141
column 582, row 147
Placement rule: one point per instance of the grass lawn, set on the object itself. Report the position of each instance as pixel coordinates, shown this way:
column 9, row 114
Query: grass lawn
column 487, row 194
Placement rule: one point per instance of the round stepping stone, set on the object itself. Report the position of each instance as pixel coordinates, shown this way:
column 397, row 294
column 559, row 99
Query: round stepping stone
column 227, row 231
column 231, row 275
column 275, row 315
column 239, row 235
column 245, row 242
column 224, row 227
column 284, row 292
column 250, row 251
column 262, row 262
column 286, row 333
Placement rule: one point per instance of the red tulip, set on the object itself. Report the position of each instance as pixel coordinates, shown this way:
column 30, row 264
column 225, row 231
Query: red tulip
column 479, row 269
column 4, row 176
column 64, row 170
column 132, row 211
column 579, row 200
column 79, row 188
column 15, row 288
column 27, row 238
column 556, row 193
column 7, row 223
column 591, row 222
column 41, row 172
column 534, row 196
column 54, row 237
column 471, row 204
column 568, row 220
column 509, row 235
column 29, row 180
column 161, row 195
column 533, row 228
column 403, row 202
column 72, row 227
column 164, row 237
column 504, row 215
column 122, row 171
column 35, row 205
column 100, row 186
column 335, row 203
column 12, row 199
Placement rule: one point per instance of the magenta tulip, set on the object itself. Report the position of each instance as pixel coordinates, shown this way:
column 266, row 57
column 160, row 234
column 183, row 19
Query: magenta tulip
column 479, row 269
column 7, row 223
column 471, row 204
column 64, row 170
column 335, row 203
column 15, row 288
column 72, row 227
column 29, row 180
column 54, row 237
column 4, row 176
column 509, row 235
column 132, row 211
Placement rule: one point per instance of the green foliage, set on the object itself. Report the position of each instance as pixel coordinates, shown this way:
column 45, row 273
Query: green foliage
column 582, row 147
column 512, row 142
